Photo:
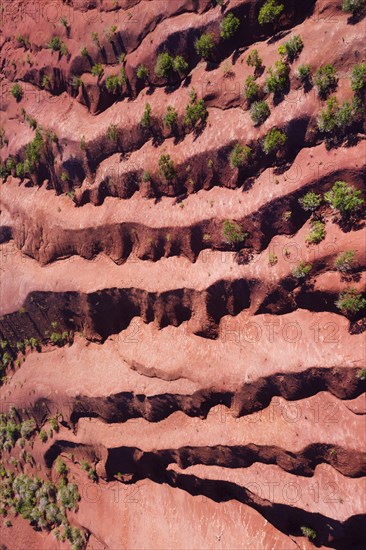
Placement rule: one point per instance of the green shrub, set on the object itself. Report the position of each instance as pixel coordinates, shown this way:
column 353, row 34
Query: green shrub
column 33, row 152
column 113, row 83
column 251, row 89
column 205, row 45
column 92, row 474
column 345, row 261
column 311, row 201
column 166, row 167
column 270, row 13
column 229, row 26
column 344, row 198
column 17, row 91
column 55, row 44
column 358, row 78
column 43, row 436
column 308, row 532
column 142, row 72
column 304, row 73
column 97, row 70
column 164, row 65
column 170, row 118
column 292, row 48
column 253, row 60
column 60, row 467
column 59, row 338
column 272, row 259
column 302, row 270
column 64, row 22
column 325, row 80
column 317, row 233
column 277, row 80
column 196, row 111
column 362, row 374
column 180, row 65
column 233, row 232
column 112, row 132
column 240, row 155
column 146, row 117
column 274, row 141
column 95, row 38
column 356, row 7
column 338, row 119
column 259, row 112
column 350, row 301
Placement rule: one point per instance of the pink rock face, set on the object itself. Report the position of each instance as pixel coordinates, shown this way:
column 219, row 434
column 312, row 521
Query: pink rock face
column 182, row 339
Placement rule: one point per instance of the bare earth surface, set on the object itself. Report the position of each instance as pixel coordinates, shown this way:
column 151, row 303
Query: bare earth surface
column 204, row 396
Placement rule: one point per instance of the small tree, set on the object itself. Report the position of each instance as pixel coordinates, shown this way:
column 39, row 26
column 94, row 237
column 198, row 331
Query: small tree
column 229, row 26
column 142, row 72
column 304, row 73
column 95, row 38
column 311, row 201
column 196, row 111
column 277, row 80
column 270, row 13
column 358, row 78
column 205, row 45
column 17, row 91
column 84, row 52
column 253, row 60
column 97, row 70
column 239, row 155
column 344, row 198
column 166, row 167
column 251, row 89
column 170, row 118
column 113, row 83
column 55, row 44
column 302, row 270
column 292, row 48
column 146, row 117
column 326, row 80
column 317, row 233
column 350, row 301
column 259, row 112
column 233, row 232
column 180, row 65
column 164, row 65
column 274, row 141
column 345, row 261
column 308, row 532
column 112, row 132
column 356, row 7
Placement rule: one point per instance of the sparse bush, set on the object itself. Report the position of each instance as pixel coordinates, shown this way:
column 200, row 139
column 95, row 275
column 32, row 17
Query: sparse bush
column 350, row 301
column 233, row 232
column 344, row 198
column 196, row 111
column 325, row 80
column 356, row 7
column 164, row 65
column 251, row 89
column 240, row 155
column 253, row 60
column 17, row 91
column 166, row 167
column 180, row 65
column 170, row 118
column 270, row 13
column 310, row 202
column 92, row 474
column 146, row 117
column 345, row 261
column 205, row 45
column 302, row 270
column 308, row 532
column 274, row 141
column 112, row 132
column 113, row 83
column 317, row 233
column 292, row 48
column 142, row 72
column 358, row 78
column 95, row 38
column 277, row 80
column 304, row 73
column 259, row 112
column 229, row 26
column 55, row 44
column 64, row 22
column 97, row 70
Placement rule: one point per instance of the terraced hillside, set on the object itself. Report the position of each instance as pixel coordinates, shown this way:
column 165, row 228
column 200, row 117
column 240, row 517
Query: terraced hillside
column 182, row 297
